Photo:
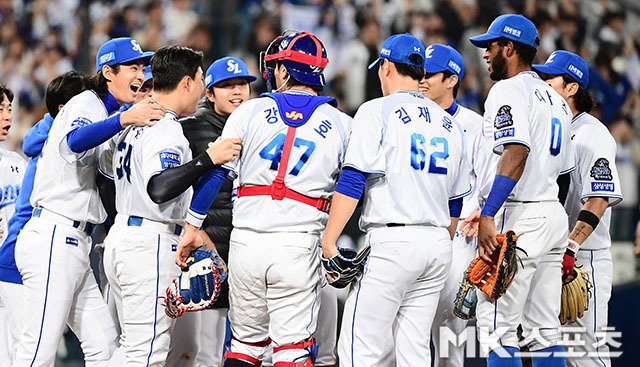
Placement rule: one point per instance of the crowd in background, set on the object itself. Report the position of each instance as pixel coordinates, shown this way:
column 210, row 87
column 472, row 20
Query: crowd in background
column 40, row 39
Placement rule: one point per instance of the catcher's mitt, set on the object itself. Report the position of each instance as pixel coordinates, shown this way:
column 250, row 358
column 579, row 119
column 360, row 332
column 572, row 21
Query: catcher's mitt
column 466, row 301
column 345, row 266
column 575, row 296
column 494, row 278
column 199, row 284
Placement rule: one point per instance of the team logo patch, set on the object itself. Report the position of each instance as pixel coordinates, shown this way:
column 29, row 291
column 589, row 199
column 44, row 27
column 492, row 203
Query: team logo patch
column 602, row 186
column 503, row 133
column 503, row 118
column 80, row 122
column 169, row 159
column 72, row 241
column 601, row 171
column 294, row 115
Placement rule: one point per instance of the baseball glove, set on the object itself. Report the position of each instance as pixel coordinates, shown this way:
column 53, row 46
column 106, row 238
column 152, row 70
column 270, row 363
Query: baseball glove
column 198, row 286
column 464, row 306
column 575, row 296
column 494, row 278
column 345, row 266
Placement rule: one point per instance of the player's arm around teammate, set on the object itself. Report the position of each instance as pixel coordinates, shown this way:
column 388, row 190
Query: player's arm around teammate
column 59, row 285
column 593, row 187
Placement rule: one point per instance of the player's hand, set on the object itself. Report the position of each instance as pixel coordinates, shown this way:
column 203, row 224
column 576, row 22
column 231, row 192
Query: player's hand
column 469, row 226
column 487, row 242
column 223, row 151
column 189, row 242
column 143, row 113
column 329, row 250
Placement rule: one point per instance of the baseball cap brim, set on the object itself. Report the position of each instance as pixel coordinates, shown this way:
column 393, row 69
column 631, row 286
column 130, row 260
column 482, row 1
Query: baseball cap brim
column 145, row 57
column 547, row 69
column 483, row 40
column 250, row 79
column 432, row 68
column 373, row 64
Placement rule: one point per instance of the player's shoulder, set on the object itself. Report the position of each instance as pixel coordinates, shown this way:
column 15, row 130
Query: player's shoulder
column 470, row 119
column 589, row 129
column 11, row 157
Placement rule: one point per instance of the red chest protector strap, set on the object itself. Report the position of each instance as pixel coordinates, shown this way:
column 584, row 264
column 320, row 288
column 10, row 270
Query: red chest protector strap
column 278, row 190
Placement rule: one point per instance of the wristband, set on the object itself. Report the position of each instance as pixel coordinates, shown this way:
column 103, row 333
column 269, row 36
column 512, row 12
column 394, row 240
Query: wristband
column 589, row 218
column 502, row 187
column 573, row 247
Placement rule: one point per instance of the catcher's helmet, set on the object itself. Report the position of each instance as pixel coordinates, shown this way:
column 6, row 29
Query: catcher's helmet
column 301, row 53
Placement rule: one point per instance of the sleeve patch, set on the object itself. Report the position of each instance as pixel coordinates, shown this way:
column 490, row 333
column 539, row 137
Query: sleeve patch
column 169, row 159
column 603, row 186
column 503, row 118
column 503, row 133
column 80, row 122
column 601, row 171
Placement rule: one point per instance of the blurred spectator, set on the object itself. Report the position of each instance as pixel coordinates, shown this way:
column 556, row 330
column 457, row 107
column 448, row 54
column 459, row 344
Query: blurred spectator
column 625, row 214
column 152, row 35
column 126, row 22
column 179, row 18
column 609, row 87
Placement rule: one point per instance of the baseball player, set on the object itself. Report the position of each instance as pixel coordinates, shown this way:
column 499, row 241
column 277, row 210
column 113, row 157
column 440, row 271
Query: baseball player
column 293, row 145
column 12, row 168
column 529, row 125
column 594, row 188
column 59, row 91
column 407, row 154
column 227, row 87
column 444, row 70
column 52, row 249
column 151, row 201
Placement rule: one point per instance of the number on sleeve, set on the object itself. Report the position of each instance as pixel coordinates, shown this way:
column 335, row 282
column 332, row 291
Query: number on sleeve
column 556, row 136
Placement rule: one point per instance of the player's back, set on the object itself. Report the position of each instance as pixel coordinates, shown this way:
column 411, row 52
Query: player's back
column 526, row 110
column 65, row 181
column 471, row 123
column 415, row 153
column 313, row 168
column 141, row 153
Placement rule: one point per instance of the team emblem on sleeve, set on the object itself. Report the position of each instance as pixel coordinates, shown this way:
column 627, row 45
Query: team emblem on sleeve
column 503, row 118
column 601, row 171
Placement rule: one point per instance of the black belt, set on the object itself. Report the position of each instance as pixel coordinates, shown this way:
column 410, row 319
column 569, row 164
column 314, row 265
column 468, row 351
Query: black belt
column 88, row 227
column 395, row 225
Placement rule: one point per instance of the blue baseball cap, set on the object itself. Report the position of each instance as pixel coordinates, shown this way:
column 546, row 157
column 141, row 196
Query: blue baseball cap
column 565, row 62
column 147, row 74
column 440, row 58
column 515, row 27
column 398, row 48
column 120, row 51
column 227, row 68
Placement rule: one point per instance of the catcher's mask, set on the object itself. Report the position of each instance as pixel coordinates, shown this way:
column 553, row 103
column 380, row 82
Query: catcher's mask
column 301, row 53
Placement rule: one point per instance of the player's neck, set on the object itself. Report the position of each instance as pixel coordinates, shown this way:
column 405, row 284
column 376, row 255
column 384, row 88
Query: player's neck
column 445, row 101
column 574, row 110
column 403, row 84
column 169, row 101
column 517, row 68
column 300, row 88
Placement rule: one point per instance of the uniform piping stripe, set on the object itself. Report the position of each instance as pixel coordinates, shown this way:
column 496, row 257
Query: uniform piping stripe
column 155, row 312
column 353, row 320
column 108, row 291
column 315, row 298
column 46, row 295
column 595, row 307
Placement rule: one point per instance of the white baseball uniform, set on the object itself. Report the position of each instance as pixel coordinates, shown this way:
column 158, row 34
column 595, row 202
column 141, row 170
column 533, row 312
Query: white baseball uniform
column 274, row 272
column 12, row 167
column 52, row 251
column 596, row 175
column 463, row 248
column 525, row 110
column 140, row 248
column 414, row 153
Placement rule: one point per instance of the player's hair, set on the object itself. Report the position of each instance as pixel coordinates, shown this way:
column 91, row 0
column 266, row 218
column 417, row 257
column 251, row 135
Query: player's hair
column 413, row 72
column 526, row 53
column 98, row 83
column 583, row 100
column 5, row 91
column 62, row 88
column 172, row 63
column 295, row 82
column 446, row 74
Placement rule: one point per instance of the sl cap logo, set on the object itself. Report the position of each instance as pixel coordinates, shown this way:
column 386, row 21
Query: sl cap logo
column 136, row 46
column 429, row 52
column 232, row 66
column 550, row 59
column 294, row 115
